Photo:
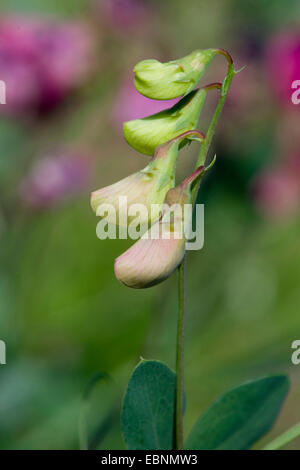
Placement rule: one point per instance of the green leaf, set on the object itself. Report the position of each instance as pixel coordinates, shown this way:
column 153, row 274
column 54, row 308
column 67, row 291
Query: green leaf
column 241, row 416
column 147, row 418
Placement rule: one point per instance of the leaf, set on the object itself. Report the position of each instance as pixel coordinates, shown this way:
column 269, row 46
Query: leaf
column 241, row 416
column 147, row 418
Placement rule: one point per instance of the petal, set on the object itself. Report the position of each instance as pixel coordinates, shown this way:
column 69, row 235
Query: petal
column 149, row 261
column 145, row 187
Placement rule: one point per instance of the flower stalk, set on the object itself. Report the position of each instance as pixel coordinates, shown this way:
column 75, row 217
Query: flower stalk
column 284, row 438
column 161, row 249
column 179, row 400
column 213, row 124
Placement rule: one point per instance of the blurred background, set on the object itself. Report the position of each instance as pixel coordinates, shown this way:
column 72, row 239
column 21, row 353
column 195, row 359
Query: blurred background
column 64, row 317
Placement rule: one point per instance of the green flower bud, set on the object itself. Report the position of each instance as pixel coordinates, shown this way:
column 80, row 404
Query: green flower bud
column 147, row 187
column 165, row 81
column 145, row 134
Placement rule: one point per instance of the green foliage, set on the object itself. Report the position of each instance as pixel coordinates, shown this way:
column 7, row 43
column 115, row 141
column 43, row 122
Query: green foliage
column 241, row 416
column 148, row 410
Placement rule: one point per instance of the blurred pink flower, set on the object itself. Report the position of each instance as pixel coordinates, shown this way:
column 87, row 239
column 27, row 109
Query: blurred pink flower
column 124, row 16
column 277, row 190
column 41, row 60
column 130, row 104
column 55, row 178
column 283, row 65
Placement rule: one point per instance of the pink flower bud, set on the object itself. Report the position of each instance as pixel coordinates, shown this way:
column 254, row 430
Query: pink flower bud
column 147, row 187
column 154, row 257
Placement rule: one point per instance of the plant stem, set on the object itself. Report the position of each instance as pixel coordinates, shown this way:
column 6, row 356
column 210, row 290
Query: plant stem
column 181, row 270
column 213, row 124
column 180, row 358
column 284, row 439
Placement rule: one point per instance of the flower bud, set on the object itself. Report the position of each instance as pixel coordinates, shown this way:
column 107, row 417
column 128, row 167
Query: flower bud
column 147, row 187
column 149, row 262
column 164, row 81
column 161, row 249
column 145, row 134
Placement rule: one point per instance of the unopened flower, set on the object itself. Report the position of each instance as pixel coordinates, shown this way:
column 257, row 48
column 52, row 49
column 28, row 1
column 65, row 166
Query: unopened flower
column 154, row 257
column 147, row 187
column 164, row 81
column 147, row 133
column 54, row 178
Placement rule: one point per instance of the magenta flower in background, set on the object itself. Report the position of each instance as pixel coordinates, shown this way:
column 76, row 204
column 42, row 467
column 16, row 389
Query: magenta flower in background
column 283, row 65
column 41, row 60
column 130, row 104
column 125, row 16
column 277, row 190
column 55, row 178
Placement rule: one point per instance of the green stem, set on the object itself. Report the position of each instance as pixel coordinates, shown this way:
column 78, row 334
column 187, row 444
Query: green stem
column 213, row 124
column 181, row 270
column 284, row 439
column 180, row 358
